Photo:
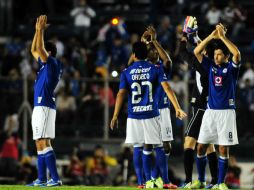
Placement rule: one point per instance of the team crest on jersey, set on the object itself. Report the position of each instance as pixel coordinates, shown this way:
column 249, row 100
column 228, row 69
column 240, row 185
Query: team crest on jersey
column 218, row 80
column 225, row 70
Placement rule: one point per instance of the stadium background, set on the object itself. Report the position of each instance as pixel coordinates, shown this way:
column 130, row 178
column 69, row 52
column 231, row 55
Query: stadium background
column 93, row 51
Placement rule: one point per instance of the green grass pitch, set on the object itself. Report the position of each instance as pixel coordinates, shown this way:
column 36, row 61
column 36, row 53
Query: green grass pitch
column 21, row 187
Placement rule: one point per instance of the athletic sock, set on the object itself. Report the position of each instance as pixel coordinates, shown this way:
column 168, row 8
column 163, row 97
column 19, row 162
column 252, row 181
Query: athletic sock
column 201, row 164
column 188, row 164
column 147, row 162
column 41, row 165
column 161, row 162
column 223, row 167
column 50, row 159
column 137, row 161
column 213, row 165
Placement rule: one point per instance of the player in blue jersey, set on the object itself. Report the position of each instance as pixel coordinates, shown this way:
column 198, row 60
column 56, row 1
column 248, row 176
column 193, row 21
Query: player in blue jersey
column 44, row 112
column 157, row 55
column 219, row 121
column 140, row 82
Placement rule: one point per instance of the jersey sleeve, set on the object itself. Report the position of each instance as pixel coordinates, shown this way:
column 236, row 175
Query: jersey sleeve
column 206, row 63
column 234, row 68
column 123, row 81
column 40, row 61
column 161, row 75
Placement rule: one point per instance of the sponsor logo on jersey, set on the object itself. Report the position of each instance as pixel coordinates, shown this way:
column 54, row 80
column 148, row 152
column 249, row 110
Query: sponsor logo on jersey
column 218, row 80
column 231, row 102
column 39, row 99
column 142, row 108
column 225, row 70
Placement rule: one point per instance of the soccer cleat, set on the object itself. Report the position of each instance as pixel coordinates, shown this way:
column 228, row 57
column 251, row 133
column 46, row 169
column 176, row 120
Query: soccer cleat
column 37, row 183
column 186, row 186
column 196, row 184
column 216, row 187
column 52, row 183
column 141, row 186
column 158, row 182
column 149, row 184
column 169, row 186
column 223, row 186
column 210, row 186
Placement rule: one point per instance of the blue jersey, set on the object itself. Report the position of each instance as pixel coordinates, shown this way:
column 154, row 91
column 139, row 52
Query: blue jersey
column 163, row 101
column 142, row 80
column 222, row 84
column 45, row 84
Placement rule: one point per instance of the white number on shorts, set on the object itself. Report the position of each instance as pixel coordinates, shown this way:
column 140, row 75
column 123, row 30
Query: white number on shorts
column 137, row 91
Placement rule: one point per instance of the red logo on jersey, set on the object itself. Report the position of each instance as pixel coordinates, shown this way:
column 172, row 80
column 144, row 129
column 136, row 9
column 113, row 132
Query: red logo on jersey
column 218, row 80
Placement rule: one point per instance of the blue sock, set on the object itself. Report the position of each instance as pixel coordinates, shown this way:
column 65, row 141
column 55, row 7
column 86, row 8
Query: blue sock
column 138, row 165
column 223, row 167
column 42, row 168
column 201, row 164
column 161, row 162
column 147, row 162
column 50, row 159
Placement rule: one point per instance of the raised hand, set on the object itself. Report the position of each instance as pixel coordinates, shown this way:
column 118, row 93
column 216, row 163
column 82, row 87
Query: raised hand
column 214, row 34
column 146, row 37
column 41, row 23
column 190, row 25
column 152, row 32
column 221, row 30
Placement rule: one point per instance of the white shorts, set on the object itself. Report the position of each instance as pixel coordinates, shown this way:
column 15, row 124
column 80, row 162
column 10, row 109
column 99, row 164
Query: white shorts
column 43, row 122
column 218, row 127
column 143, row 131
column 166, row 126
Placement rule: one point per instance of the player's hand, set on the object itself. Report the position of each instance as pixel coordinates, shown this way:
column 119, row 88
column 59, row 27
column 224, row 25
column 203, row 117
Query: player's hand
column 214, row 34
column 190, row 25
column 42, row 23
column 114, row 123
column 180, row 114
column 152, row 32
column 221, row 30
column 146, row 37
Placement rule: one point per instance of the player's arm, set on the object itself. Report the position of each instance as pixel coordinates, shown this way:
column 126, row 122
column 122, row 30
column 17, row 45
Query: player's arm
column 42, row 25
column 119, row 102
column 172, row 97
column 167, row 62
column 200, row 47
column 232, row 47
column 33, row 47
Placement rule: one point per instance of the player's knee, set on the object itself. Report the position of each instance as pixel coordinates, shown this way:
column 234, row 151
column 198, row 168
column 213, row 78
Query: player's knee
column 167, row 147
column 148, row 146
column 224, row 151
column 210, row 149
column 201, row 149
column 189, row 143
column 40, row 144
column 48, row 143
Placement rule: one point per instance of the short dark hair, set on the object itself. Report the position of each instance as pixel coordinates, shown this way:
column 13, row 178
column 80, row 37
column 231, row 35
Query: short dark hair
column 140, row 50
column 50, row 46
column 220, row 45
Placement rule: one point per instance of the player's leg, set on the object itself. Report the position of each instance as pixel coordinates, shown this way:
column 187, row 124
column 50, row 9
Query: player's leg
column 147, row 164
column 213, row 165
column 207, row 135
column 189, row 148
column 223, row 163
column 190, row 140
column 50, row 159
column 137, row 162
column 135, row 136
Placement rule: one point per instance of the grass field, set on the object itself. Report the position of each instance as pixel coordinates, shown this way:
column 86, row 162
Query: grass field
column 21, row 187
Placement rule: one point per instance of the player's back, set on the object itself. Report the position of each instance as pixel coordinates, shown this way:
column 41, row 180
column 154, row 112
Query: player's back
column 45, row 84
column 142, row 80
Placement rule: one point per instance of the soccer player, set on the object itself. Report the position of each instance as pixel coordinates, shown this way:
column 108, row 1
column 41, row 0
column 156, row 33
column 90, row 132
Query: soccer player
column 219, row 121
column 198, row 102
column 157, row 55
column 44, row 112
column 141, row 81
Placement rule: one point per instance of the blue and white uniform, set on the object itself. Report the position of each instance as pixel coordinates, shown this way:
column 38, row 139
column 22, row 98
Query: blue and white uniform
column 164, row 108
column 219, row 121
column 142, row 80
column 44, row 112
